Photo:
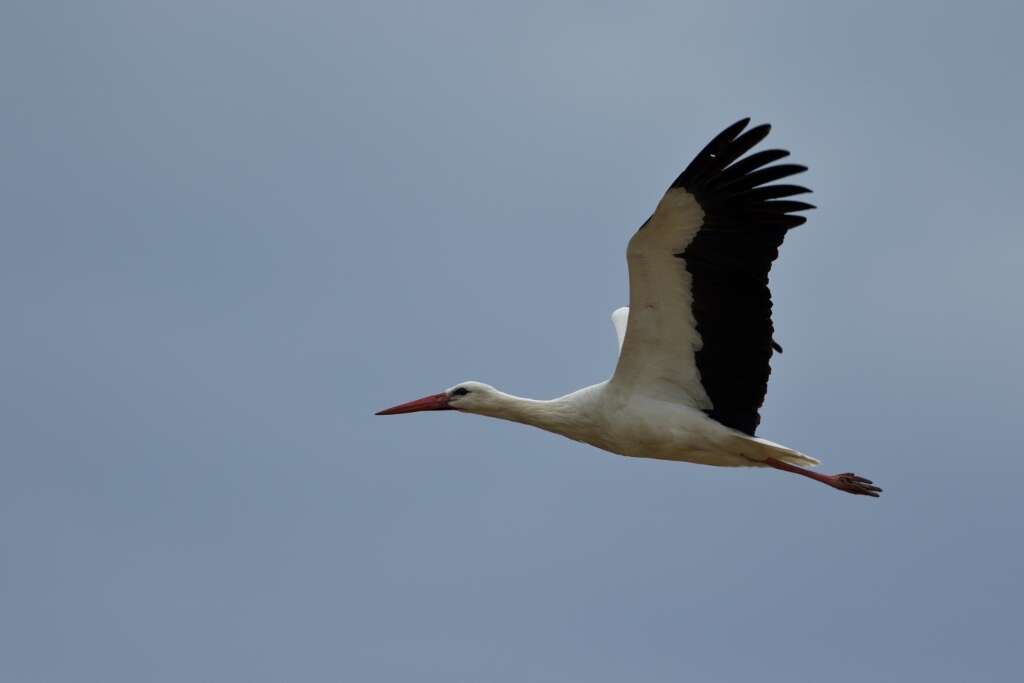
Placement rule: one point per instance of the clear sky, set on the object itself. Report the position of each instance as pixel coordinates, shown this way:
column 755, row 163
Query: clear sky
column 231, row 231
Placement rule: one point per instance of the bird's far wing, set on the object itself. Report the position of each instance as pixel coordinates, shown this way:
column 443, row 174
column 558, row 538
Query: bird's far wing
column 620, row 317
column 700, row 329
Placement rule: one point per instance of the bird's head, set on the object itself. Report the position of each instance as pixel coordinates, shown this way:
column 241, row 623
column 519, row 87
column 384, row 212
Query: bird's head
column 469, row 397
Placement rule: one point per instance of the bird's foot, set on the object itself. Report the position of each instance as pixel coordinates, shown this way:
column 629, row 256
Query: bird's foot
column 847, row 481
column 851, row 483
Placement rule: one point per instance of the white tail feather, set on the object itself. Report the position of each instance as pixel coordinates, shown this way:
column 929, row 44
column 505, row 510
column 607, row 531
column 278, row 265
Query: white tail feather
column 756, row 448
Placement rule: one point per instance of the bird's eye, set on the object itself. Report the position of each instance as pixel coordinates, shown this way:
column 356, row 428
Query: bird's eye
column 461, row 391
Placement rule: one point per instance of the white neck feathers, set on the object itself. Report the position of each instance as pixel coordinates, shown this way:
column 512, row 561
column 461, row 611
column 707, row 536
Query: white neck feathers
column 560, row 415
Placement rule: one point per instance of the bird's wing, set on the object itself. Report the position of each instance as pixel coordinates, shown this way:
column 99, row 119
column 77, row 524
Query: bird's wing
column 620, row 317
column 700, row 328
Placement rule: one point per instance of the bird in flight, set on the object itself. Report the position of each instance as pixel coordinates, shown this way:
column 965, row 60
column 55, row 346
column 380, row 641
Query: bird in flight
column 696, row 340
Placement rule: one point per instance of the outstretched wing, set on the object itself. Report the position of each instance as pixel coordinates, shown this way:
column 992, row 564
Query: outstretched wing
column 700, row 328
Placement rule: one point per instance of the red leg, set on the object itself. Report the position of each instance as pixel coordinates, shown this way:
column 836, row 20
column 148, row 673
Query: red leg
column 847, row 481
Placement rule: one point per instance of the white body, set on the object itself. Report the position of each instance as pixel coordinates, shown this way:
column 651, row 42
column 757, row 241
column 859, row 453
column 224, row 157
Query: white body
column 631, row 424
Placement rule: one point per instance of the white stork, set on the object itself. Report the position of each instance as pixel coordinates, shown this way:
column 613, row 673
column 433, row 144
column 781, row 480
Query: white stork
column 694, row 357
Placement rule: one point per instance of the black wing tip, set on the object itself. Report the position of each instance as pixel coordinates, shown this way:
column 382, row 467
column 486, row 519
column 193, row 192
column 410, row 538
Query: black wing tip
column 788, row 205
column 762, row 129
column 723, row 177
column 739, row 125
column 770, row 192
column 707, row 156
column 733, row 131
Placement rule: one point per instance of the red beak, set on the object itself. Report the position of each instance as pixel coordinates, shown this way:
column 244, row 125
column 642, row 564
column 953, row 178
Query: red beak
column 434, row 402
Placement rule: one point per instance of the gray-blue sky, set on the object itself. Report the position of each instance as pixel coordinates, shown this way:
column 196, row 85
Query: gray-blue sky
column 231, row 231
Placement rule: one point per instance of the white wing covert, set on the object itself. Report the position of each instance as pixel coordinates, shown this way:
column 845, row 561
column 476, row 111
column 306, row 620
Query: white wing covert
column 620, row 318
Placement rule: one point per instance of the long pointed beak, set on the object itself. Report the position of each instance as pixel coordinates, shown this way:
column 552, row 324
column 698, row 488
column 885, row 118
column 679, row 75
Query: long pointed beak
column 433, row 402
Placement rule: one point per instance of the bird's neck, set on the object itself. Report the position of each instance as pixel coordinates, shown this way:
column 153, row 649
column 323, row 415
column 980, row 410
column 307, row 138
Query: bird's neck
column 556, row 415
